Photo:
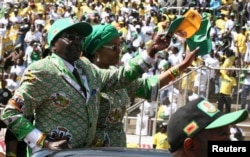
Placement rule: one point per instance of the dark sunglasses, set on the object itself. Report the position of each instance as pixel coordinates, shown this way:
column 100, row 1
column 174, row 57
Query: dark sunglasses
column 72, row 37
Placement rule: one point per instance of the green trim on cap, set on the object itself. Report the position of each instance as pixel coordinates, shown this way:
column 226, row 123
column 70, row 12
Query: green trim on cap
column 229, row 118
column 60, row 25
column 175, row 24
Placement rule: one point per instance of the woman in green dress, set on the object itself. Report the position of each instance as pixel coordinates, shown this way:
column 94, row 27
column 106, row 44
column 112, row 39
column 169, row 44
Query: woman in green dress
column 102, row 47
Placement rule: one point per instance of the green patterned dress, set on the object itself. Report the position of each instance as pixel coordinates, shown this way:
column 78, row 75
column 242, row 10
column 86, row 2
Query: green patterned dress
column 109, row 131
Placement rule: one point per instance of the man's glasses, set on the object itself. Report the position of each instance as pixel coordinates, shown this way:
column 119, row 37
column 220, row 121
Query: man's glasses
column 112, row 47
column 73, row 37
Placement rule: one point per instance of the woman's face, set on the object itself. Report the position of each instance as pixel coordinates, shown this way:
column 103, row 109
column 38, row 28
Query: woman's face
column 108, row 54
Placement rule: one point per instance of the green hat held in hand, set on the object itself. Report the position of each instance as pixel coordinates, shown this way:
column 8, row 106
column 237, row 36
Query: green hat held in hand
column 201, row 38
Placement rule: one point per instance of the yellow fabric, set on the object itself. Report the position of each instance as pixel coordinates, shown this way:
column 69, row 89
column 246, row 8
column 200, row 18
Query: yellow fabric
column 220, row 23
column 28, row 10
column 85, row 9
column 132, row 145
column 124, row 31
column 247, row 33
column 224, row 12
column 118, row 6
column 159, row 25
column 167, row 17
column 156, row 3
column 197, row 62
column 191, row 23
column 155, row 20
column 75, row 10
column 47, row 26
column 141, row 12
column 113, row 7
column 226, row 2
column 7, row 44
column 240, row 43
column 227, row 84
column 161, row 141
column 23, row 12
column 228, row 63
column 13, row 33
column 160, row 111
column 48, row 1
column 116, row 25
column 171, row 16
column 12, row 14
column 188, row 82
column 60, row 10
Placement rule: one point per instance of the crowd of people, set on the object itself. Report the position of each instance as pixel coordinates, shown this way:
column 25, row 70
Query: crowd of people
column 24, row 27
column 105, row 60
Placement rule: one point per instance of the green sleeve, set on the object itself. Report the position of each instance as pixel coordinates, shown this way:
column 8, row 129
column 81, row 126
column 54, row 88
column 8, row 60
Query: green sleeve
column 20, row 109
column 145, row 88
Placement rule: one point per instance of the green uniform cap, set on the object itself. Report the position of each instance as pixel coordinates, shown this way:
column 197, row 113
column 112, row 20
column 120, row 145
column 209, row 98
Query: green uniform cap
column 61, row 25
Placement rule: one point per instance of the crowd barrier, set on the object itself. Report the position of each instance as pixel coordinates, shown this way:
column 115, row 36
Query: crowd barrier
column 183, row 98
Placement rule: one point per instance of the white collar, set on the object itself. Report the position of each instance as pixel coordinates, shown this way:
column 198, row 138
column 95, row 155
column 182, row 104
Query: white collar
column 68, row 65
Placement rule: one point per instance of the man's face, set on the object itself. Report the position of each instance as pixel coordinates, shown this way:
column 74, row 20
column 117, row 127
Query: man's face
column 68, row 45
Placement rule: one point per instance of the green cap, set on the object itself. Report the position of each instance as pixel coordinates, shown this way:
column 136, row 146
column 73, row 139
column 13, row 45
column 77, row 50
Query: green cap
column 63, row 24
column 101, row 35
column 186, row 25
column 198, row 115
column 227, row 119
column 201, row 38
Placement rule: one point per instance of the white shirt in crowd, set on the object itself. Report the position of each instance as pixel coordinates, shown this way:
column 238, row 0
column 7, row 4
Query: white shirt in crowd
column 126, row 57
column 201, row 81
column 18, row 69
column 39, row 21
column 2, row 32
column 229, row 24
column 32, row 36
column 4, row 21
column 148, row 108
column 170, row 109
column 175, row 59
column 16, row 19
column 12, row 85
column 147, row 31
column 212, row 62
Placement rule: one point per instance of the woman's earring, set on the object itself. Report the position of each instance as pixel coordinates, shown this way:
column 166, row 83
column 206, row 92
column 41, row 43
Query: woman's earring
column 98, row 59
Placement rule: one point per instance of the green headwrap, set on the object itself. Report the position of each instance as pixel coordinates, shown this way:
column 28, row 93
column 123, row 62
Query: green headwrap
column 101, row 35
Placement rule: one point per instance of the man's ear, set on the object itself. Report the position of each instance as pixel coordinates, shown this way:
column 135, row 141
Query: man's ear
column 52, row 43
column 189, row 146
column 52, row 47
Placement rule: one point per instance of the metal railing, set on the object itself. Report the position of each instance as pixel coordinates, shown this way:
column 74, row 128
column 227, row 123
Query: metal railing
column 184, row 93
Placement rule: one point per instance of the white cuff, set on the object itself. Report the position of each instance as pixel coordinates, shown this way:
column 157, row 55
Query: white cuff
column 32, row 138
column 147, row 58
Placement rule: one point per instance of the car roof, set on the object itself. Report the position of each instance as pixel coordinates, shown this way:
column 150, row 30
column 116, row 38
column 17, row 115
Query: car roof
column 104, row 152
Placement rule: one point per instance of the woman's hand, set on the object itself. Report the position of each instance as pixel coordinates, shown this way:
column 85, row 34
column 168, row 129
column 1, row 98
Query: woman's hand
column 173, row 72
column 160, row 42
column 188, row 59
